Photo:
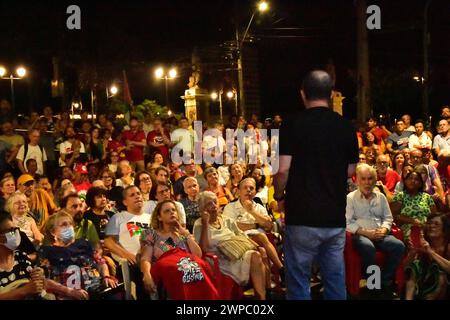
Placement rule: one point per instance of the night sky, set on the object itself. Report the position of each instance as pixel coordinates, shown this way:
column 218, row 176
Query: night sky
column 294, row 37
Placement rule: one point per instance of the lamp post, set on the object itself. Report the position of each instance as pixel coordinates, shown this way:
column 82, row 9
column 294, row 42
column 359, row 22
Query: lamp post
column 262, row 7
column 214, row 96
column 111, row 92
column 161, row 74
column 230, row 94
column 20, row 72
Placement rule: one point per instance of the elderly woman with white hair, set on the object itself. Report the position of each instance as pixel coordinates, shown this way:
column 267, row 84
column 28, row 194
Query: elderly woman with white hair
column 17, row 206
column 212, row 230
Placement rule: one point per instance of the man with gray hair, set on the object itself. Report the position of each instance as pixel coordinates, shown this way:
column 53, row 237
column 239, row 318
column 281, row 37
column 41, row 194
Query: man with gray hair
column 369, row 219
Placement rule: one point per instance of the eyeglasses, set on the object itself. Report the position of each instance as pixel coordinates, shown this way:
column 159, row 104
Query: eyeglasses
column 29, row 183
column 163, row 191
column 382, row 163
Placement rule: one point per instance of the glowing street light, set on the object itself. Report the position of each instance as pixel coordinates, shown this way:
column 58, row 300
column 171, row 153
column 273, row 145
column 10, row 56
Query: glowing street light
column 20, row 72
column 173, row 73
column 113, row 90
column 161, row 74
column 262, row 7
column 230, row 94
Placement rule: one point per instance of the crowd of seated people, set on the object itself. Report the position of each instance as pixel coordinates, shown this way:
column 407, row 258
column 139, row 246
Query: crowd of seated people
column 405, row 183
column 108, row 193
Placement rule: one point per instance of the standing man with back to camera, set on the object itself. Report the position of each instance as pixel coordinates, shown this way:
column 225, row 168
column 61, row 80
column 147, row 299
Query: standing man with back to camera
column 315, row 197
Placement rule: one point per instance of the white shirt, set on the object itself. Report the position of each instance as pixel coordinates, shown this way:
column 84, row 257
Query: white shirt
column 263, row 194
column 423, row 141
column 128, row 227
column 443, row 143
column 149, row 207
column 411, row 128
column 224, row 175
column 236, row 212
column 66, row 148
column 119, row 183
column 34, row 152
column 370, row 213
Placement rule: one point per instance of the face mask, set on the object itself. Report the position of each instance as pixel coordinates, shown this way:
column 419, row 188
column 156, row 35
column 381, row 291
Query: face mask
column 12, row 240
column 67, row 234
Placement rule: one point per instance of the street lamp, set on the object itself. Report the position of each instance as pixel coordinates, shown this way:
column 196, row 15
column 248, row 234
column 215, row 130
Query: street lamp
column 230, row 94
column 20, row 72
column 111, row 92
column 161, row 74
column 76, row 106
column 214, row 96
column 261, row 7
column 233, row 95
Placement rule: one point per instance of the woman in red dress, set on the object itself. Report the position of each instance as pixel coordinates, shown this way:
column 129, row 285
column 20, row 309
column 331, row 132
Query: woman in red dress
column 171, row 257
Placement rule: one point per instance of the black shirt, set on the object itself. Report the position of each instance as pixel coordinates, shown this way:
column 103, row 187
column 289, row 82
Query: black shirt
column 25, row 244
column 73, row 266
column 21, row 270
column 99, row 222
column 322, row 145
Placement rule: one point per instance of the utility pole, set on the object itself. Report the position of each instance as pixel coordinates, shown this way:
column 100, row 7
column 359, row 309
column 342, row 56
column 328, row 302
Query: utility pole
column 240, row 73
column 363, row 72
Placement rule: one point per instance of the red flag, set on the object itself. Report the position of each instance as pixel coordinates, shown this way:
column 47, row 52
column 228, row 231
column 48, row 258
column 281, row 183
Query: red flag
column 133, row 229
column 126, row 90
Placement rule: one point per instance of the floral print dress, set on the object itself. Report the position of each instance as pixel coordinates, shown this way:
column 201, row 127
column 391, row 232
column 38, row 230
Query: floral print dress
column 416, row 207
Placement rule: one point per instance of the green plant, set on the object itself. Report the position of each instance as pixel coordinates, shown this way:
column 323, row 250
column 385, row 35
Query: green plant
column 151, row 106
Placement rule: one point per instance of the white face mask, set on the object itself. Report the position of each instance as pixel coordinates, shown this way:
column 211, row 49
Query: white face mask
column 12, row 240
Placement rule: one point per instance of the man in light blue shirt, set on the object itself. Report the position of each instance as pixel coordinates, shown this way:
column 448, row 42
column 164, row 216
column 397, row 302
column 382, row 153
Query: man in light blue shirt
column 369, row 219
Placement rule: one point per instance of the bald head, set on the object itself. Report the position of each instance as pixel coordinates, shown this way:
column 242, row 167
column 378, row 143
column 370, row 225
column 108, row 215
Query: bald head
column 317, row 85
column 416, row 157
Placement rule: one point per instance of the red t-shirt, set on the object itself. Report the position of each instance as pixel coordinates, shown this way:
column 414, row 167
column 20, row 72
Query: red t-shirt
column 184, row 276
column 156, row 137
column 82, row 187
column 390, row 180
column 135, row 153
column 379, row 134
column 116, row 146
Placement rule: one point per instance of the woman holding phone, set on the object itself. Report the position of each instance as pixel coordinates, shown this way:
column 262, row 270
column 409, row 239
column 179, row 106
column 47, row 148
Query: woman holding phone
column 428, row 271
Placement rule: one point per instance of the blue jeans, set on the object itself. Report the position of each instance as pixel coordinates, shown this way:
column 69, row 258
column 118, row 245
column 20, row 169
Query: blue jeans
column 390, row 246
column 302, row 246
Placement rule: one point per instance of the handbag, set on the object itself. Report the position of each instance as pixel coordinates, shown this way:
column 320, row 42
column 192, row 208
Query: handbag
column 234, row 248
